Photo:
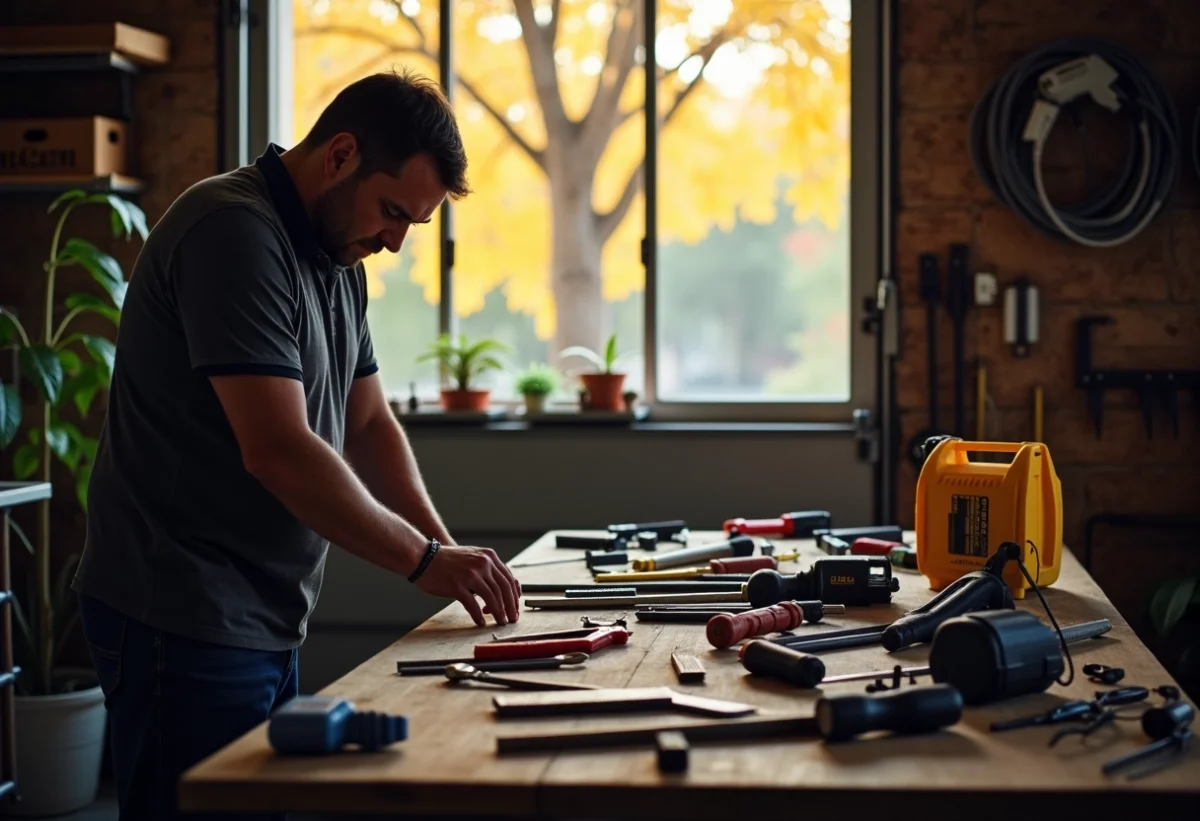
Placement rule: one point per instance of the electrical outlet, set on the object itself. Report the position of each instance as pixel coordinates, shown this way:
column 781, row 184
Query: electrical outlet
column 985, row 288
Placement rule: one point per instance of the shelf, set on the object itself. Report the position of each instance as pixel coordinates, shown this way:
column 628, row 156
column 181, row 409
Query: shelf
column 42, row 63
column 6, row 787
column 110, row 184
column 13, row 494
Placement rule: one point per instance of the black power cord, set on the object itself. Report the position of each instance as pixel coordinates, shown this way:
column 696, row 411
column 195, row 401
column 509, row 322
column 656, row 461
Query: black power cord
column 1010, row 124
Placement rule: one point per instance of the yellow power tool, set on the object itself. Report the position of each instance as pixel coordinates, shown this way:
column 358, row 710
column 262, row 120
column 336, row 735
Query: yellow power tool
column 965, row 510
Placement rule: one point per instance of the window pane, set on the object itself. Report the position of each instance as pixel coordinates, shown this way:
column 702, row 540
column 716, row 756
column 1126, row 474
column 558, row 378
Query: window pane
column 335, row 43
column 754, row 171
column 547, row 246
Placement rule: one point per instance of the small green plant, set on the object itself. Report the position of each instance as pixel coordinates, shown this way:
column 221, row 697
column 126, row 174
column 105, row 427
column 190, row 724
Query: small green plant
column 463, row 360
column 66, row 368
column 537, row 380
column 603, row 364
column 1174, row 601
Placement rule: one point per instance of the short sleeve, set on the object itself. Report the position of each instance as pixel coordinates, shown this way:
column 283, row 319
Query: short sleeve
column 366, row 364
column 237, row 297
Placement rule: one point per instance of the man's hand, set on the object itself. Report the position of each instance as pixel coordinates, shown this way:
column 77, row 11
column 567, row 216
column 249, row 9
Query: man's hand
column 462, row 573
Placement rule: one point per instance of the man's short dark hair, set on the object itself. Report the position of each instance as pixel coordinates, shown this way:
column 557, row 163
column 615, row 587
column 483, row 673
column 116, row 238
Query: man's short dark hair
column 395, row 115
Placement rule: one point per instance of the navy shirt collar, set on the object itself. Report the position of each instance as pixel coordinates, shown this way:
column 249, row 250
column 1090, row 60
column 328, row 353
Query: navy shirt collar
column 289, row 205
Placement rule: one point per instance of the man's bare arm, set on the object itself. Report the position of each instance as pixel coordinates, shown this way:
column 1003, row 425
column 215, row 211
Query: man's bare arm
column 270, row 421
column 381, row 455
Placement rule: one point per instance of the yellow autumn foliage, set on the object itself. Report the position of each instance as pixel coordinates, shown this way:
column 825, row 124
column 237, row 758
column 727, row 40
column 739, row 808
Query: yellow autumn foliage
column 771, row 103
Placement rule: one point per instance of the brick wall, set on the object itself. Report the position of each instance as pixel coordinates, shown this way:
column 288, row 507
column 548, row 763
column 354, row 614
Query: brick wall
column 173, row 137
column 950, row 52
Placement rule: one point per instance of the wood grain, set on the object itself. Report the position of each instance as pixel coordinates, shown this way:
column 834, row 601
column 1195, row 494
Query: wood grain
column 449, row 765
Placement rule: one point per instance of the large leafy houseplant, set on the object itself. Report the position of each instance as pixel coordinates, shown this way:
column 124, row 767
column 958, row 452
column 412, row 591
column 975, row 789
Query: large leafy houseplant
column 67, row 369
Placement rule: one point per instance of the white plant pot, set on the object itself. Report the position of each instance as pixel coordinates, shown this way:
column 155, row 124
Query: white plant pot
column 60, row 744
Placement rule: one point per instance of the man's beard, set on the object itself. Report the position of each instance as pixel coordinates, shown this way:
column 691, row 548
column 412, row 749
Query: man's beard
column 333, row 215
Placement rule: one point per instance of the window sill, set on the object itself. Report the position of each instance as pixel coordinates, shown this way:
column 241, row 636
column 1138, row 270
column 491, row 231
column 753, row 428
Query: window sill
column 734, row 428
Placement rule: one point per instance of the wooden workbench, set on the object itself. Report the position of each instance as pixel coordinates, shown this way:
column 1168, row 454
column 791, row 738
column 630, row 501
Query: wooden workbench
column 448, row 765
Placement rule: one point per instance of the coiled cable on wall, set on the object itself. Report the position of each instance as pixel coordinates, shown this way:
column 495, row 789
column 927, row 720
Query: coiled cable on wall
column 1012, row 120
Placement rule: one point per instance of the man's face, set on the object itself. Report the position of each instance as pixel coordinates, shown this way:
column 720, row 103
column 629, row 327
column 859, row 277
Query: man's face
column 358, row 216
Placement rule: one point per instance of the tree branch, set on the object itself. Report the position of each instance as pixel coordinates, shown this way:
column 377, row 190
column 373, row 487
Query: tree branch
column 603, row 116
column 607, row 222
column 421, row 38
column 540, row 51
column 706, row 54
column 537, row 155
column 555, row 11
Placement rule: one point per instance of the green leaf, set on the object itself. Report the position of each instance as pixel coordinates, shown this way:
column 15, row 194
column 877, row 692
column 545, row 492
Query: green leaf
column 66, row 196
column 70, row 361
column 122, row 223
column 35, row 436
column 82, row 477
column 26, row 461
column 10, row 414
column 1170, row 602
column 81, row 389
column 103, row 267
column 586, row 353
column 103, row 351
column 138, row 217
column 8, row 328
column 610, row 353
column 88, row 302
column 60, row 442
column 86, row 444
column 44, row 368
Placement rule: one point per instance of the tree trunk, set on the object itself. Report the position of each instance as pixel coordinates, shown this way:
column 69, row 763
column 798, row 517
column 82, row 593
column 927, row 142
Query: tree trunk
column 575, row 260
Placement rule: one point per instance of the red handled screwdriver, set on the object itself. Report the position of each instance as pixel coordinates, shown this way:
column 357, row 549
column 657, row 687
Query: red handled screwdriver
column 797, row 525
column 602, row 637
column 726, row 630
column 748, row 564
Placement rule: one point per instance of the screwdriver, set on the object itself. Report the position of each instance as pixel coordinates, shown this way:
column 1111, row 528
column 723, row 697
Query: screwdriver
column 736, row 546
column 716, row 567
column 725, row 630
column 593, row 558
column 788, row 526
column 763, row 658
column 921, row 709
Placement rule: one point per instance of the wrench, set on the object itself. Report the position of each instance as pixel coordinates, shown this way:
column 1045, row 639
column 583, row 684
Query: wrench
column 465, row 672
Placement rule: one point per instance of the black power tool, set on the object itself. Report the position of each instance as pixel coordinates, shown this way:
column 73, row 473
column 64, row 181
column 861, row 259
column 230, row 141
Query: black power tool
column 855, row 581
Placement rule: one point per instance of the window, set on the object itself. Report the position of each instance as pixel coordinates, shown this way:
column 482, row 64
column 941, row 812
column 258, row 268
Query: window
column 717, row 246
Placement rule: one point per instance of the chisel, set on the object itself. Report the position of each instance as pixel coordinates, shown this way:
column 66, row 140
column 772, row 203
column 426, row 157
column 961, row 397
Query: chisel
column 733, row 569
column 596, row 602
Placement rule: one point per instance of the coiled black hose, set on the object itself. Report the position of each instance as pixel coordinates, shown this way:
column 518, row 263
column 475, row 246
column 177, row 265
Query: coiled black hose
column 1009, row 164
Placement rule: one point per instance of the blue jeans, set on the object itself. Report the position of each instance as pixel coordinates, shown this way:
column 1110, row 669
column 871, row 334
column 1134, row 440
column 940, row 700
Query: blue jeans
column 173, row 701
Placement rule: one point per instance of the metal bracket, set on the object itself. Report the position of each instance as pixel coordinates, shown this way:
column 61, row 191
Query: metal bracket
column 1150, row 385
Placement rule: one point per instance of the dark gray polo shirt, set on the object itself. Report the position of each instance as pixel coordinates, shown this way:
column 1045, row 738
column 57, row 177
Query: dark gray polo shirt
column 179, row 535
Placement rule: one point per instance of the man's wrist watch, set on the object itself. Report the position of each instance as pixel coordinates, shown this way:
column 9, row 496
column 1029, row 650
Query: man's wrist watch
column 430, row 552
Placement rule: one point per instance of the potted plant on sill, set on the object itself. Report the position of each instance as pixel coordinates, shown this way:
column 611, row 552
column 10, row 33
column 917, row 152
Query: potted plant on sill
column 60, row 719
column 604, row 385
column 465, row 362
column 535, row 384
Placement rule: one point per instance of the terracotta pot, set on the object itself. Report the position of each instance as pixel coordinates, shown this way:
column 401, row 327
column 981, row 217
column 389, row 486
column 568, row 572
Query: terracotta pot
column 468, row 400
column 535, row 402
column 604, row 390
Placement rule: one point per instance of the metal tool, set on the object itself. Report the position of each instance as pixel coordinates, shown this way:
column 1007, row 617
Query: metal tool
column 718, row 570
column 850, row 580
column 798, row 525
column 588, row 621
column 593, row 602
column 874, row 547
column 615, row 700
column 460, row 672
column 958, row 302
column 750, row 729
column 673, row 530
column 725, row 630
column 437, row 667
column 607, row 542
column 684, row 579
column 1169, row 726
column 593, row 559
column 735, row 546
column 930, row 289
column 685, row 616
column 727, row 584
column 1148, row 384
column 1021, row 316
column 573, row 633
column 597, row 639
column 837, row 542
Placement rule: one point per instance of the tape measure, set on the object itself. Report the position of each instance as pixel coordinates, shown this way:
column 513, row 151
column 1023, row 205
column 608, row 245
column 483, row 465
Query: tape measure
column 965, row 510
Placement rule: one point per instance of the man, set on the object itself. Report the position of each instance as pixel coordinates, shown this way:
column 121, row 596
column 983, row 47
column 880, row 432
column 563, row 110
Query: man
column 244, row 371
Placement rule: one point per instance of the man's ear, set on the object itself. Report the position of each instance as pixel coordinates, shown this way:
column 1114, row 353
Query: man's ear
column 341, row 156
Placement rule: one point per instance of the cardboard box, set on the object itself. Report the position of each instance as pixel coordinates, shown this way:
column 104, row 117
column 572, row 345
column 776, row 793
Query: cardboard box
column 69, row 147
column 136, row 44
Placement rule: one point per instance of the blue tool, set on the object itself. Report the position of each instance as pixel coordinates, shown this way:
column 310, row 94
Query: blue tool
column 324, row 724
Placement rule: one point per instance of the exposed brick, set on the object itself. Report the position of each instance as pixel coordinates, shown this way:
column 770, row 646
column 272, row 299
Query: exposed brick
column 927, row 230
column 1145, row 489
column 193, row 45
column 1123, row 437
column 1184, row 31
column 160, row 94
column 935, row 29
column 1064, row 270
column 1185, row 254
column 941, row 85
column 1016, row 26
column 934, row 165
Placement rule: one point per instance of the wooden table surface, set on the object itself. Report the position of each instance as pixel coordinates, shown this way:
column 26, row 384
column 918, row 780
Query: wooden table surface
column 448, row 765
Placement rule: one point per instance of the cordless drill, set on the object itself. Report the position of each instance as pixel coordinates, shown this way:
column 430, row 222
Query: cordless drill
column 855, row 581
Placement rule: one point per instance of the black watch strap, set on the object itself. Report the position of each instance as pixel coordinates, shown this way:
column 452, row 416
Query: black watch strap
column 430, row 552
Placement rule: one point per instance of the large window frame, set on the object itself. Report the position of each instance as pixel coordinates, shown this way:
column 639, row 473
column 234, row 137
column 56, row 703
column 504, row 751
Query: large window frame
column 256, row 62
